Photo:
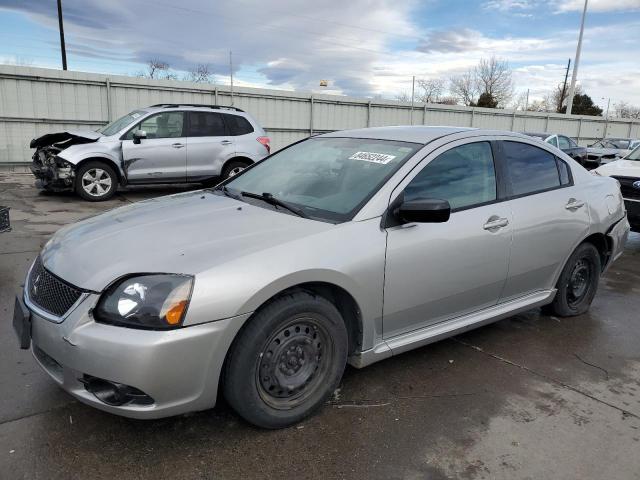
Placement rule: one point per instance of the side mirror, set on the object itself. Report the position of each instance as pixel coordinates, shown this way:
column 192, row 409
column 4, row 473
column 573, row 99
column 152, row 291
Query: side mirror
column 139, row 135
column 424, row 210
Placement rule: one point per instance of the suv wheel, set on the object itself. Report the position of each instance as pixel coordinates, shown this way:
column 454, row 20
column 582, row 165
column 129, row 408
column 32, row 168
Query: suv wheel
column 578, row 282
column 233, row 168
column 96, row 181
column 287, row 361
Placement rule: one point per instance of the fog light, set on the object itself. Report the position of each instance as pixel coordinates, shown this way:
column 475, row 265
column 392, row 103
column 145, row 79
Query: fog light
column 113, row 393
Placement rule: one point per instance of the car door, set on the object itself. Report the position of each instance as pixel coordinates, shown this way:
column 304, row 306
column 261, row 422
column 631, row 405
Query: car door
column 550, row 216
column 161, row 156
column 437, row 271
column 208, row 145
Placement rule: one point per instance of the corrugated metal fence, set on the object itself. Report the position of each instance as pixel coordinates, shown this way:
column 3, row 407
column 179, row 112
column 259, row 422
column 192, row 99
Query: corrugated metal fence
column 35, row 101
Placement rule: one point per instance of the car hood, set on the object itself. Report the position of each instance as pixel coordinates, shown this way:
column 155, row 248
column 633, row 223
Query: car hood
column 605, row 151
column 621, row 168
column 76, row 136
column 185, row 233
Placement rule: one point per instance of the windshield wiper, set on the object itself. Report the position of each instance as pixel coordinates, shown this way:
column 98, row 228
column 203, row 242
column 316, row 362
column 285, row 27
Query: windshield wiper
column 269, row 198
column 228, row 193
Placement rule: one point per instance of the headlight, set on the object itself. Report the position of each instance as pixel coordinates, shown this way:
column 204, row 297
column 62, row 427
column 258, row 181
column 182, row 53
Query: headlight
column 154, row 302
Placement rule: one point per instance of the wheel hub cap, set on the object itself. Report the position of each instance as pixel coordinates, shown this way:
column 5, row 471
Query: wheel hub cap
column 291, row 360
column 579, row 281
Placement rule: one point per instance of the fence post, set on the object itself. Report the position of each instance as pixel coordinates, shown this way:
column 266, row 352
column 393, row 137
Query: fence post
column 109, row 114
column 473, row 114
column 580, row 129
column 424, row 115
column 630, row 127
column 215, row 92
column 369, row 114
column 513, row 120
column 546, row 125
column 311, row 115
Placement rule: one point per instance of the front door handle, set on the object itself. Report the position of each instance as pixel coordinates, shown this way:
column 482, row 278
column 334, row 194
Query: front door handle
column 226, row 142
column 177, row 145
column 495, row 223
column 574, row 204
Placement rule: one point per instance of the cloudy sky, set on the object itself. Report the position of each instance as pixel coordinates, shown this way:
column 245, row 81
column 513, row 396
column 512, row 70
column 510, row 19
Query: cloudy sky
column 363, row 47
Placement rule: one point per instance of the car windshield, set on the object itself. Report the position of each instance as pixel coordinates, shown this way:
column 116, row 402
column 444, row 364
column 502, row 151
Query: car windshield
column 634, row 155
column 119, row 124
column 327, row 178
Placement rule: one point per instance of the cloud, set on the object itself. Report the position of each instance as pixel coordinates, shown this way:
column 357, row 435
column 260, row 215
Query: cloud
column 285, row 45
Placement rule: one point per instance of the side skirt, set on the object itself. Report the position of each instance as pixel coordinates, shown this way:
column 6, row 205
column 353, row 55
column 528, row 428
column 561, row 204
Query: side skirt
column 433, row 333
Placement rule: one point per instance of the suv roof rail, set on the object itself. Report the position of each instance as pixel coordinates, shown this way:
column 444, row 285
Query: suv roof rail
column 216, row 107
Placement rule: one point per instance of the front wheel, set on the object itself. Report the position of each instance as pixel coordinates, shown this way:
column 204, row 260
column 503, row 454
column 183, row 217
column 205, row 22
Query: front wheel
column 96, row 181
column 287, row 360
column 578, row 282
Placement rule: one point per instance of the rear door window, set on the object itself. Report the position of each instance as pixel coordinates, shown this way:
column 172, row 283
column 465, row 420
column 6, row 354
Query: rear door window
column 206, row 124
column 531, row 169
column 238, row 125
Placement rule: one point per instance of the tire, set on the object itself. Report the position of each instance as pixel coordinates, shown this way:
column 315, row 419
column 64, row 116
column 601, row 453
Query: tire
column 298, row 340
column 96, row 181
column 233, row 167
column 578, row 282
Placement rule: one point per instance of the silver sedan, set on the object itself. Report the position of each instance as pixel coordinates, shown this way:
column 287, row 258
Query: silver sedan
column 347, row 247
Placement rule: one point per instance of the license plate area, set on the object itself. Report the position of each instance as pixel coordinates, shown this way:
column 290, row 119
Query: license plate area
column 22, row 323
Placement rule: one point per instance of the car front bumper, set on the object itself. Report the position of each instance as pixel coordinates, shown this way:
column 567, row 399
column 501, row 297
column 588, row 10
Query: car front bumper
column 179, row 369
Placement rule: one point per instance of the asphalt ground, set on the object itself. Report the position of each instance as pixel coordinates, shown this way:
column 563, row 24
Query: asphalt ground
column 529, row 397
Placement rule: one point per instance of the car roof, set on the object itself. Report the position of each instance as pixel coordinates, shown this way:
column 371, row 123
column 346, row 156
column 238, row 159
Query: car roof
column 417, row 133
column 408, row 133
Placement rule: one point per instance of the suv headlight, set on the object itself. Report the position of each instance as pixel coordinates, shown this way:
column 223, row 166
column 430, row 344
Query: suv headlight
column 154, row 302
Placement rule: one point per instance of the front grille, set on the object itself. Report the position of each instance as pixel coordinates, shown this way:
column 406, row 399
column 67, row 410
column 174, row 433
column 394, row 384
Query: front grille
column 627, row 188
column 50, row 293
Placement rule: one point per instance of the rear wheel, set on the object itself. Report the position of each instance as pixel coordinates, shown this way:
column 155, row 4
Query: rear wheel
column 96, row 181
column 578, row 282
column 286, row 361
column 233, row 168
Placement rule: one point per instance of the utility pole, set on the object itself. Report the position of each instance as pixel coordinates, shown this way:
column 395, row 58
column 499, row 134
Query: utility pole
column 564, row 86
column 413, row 90
column 526, row 104
column 63, row 50
column 574, row 77
column 231, row 74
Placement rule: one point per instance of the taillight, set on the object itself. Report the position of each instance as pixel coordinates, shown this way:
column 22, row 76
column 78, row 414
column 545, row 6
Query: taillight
column 266, row 141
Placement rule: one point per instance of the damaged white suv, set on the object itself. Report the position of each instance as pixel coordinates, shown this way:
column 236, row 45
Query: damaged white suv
column 165, row 143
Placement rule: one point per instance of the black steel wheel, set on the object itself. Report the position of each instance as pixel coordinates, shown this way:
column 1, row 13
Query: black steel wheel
column 286, row 361
column 578, row 282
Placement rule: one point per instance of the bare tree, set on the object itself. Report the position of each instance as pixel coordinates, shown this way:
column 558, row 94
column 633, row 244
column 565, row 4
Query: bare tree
column 493, row 77
column 403, row 97
column 555, row 99
column 159, row 70
column 200, row 73
column 464, row 88
column 447, row 100
column 432, row 90
column 626, row 110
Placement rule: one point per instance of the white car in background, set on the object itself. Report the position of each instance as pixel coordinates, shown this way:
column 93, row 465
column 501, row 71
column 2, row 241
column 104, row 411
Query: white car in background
column 627, row 171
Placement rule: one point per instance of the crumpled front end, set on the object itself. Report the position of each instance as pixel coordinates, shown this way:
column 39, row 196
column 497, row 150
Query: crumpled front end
column 52, row 172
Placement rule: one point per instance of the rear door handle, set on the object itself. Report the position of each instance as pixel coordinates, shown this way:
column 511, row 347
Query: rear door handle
column 226, row 142
column 177, row 145
column 574, row 204
column 494, row 223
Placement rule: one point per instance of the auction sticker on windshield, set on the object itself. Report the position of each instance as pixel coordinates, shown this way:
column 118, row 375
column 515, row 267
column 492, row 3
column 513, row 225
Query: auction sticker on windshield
column 381, row 158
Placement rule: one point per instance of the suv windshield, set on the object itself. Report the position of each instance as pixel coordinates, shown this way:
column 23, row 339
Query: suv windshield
column 327, row 178
column 119, row 124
